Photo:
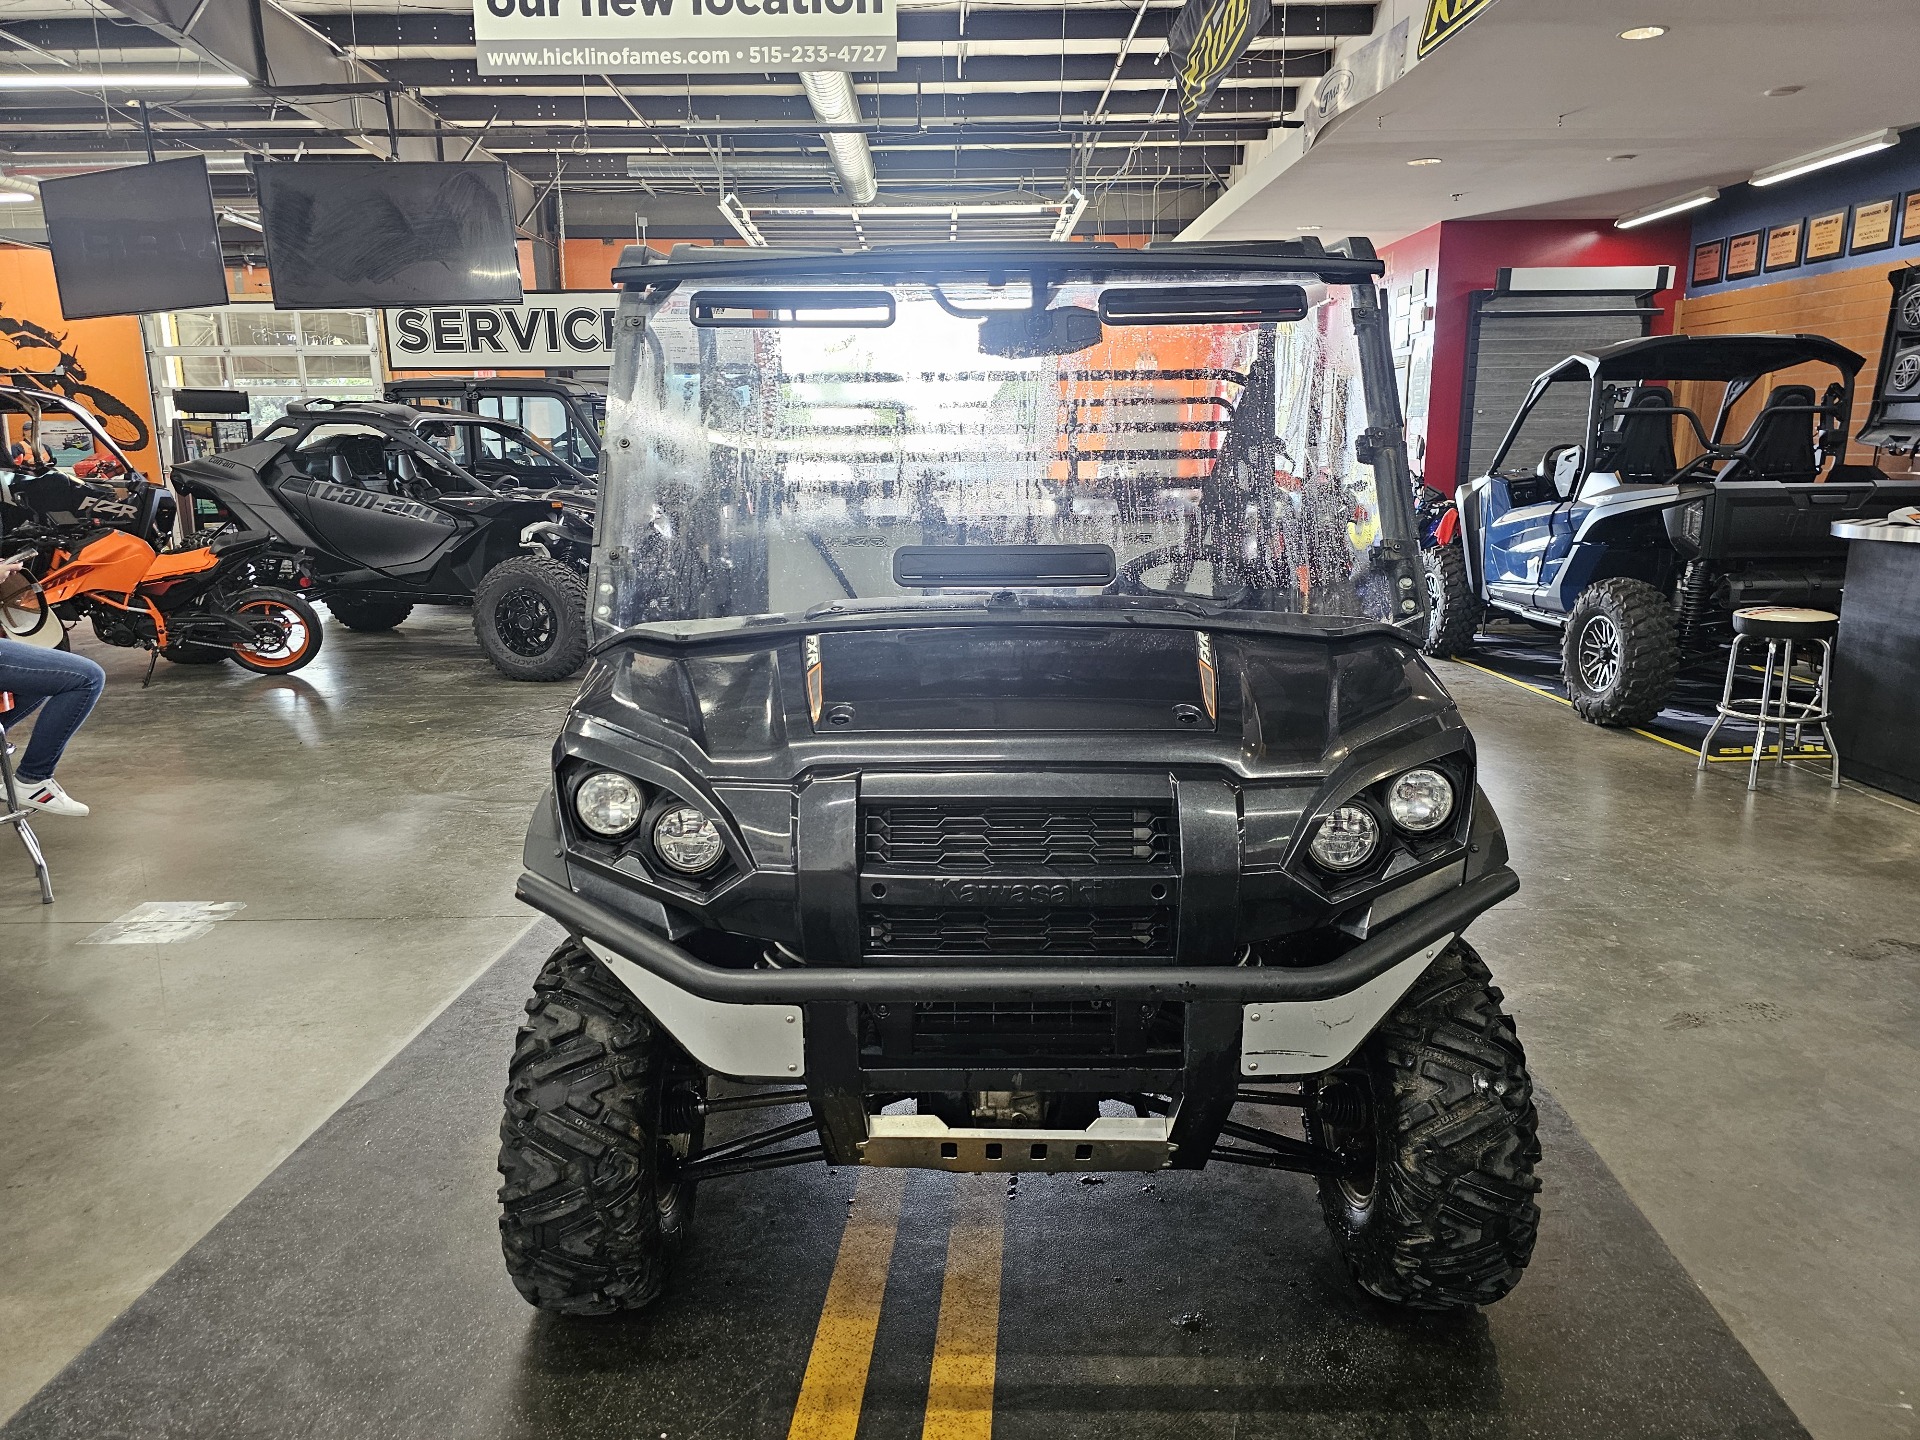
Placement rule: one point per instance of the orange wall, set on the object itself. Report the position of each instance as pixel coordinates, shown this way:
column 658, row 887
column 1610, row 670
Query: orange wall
column 1849, row 306
column 107, row 357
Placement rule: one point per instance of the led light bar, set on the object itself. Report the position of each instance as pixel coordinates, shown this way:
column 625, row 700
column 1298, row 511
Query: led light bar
column 1070, row 216
column 1832, row 155
column 1693, row 200
column 121, row 80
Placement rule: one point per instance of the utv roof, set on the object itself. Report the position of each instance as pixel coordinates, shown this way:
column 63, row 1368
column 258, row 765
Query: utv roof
column 1344, row 262
column 1705, row 357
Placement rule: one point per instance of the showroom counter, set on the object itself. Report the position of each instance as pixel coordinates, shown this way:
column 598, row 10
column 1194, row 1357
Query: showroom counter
column 1876, row 664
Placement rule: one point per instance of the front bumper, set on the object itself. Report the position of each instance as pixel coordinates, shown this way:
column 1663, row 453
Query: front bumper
column 791, row 1023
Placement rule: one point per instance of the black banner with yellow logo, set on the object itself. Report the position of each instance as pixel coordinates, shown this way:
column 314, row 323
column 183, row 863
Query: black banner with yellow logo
column 1205, row 40
column 1446, row 18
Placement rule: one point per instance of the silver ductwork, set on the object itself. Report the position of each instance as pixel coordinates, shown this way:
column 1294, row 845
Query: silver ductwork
column 830, row 93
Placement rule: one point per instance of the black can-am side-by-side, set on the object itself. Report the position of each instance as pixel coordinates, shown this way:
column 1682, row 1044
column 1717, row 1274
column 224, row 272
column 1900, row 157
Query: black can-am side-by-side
column 957, row 788
column 393, row 507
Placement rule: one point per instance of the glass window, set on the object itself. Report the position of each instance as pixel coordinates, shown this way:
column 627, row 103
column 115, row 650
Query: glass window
column 274, row 370
column 347, row 369
column 194, row 328
column 257, row 326
column 332, row 327
column 196, row 372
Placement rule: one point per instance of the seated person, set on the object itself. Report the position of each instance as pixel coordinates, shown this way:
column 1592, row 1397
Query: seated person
column 64, row 689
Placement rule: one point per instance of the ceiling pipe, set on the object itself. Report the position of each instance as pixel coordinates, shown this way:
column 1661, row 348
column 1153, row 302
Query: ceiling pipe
column 742, row 168
column 830, row 93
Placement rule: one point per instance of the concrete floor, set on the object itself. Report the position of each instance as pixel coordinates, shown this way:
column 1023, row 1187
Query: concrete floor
column 367, row 811
column 1720, row 991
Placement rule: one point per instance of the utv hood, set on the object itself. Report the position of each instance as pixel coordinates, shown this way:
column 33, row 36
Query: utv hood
column 1255, row 694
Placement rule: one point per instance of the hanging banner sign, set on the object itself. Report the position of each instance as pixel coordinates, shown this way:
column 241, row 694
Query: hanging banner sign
column 700, row 37
column 1445, row 19
column 1205, row 40
column 552, row 331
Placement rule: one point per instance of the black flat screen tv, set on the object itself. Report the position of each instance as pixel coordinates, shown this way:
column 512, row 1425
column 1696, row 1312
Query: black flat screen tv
column 384, row 233
column 135, row 238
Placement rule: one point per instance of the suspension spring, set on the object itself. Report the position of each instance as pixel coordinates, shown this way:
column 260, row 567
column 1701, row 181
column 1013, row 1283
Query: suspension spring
column 1341, row 1107
column 1695, row 613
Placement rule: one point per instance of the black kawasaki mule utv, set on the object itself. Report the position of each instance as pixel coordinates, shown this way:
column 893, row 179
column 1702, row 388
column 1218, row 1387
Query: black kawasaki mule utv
column 1007, row 701
column 395, row 507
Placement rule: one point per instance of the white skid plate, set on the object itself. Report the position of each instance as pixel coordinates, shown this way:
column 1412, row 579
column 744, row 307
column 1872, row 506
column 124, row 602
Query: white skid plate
column 924, row 1142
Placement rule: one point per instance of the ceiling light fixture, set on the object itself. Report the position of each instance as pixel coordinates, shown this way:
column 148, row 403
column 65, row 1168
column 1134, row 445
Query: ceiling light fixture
column 1304, row 229
column 246, row 222
column 1780, row 90
column 1677, row 206
column 742, row 223
column 15, row 197
column 1074, row 208
column 121, row 80
column 1643, row 32
column 1425, row 160
column 1832, row 155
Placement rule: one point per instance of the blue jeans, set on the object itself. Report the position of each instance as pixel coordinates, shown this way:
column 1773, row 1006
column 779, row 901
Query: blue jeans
column 68, row 685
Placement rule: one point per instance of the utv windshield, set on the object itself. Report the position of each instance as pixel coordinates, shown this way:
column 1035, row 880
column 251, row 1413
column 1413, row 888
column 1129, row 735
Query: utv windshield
column 774, row 446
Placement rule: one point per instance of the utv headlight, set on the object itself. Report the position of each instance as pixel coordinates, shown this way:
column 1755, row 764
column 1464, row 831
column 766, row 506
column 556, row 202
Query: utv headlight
column 1420, row 801
column 688, row 840
column 608, row 803
column 1346, row 839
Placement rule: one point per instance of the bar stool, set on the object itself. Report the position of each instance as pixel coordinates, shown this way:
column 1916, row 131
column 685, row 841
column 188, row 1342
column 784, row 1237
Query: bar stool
column 1781, row 627
column 16, row 814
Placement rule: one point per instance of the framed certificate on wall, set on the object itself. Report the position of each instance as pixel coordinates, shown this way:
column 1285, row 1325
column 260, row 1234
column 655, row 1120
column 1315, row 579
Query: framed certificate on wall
column 1743, row 255
column 1910, row 218
column 1783, row 245
column 1826, row 236
column 1707, row 262
column 1872, row 226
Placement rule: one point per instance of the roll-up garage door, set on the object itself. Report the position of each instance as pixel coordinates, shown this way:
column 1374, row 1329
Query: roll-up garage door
column 1515, row 336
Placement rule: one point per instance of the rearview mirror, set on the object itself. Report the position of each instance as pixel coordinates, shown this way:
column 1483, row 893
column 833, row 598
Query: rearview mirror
column 1028, row 334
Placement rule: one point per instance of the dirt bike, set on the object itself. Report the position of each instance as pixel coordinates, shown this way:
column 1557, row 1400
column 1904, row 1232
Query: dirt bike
column 196, row 607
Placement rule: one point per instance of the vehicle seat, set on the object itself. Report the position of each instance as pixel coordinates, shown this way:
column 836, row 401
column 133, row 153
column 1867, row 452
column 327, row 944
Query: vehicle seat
column 1642, row 438
column 1780, row 444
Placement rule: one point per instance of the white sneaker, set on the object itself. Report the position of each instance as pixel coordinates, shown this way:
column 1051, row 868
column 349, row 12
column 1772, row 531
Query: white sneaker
column 48, row 798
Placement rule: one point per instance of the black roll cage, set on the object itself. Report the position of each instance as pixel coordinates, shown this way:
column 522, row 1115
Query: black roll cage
column 1689, row 357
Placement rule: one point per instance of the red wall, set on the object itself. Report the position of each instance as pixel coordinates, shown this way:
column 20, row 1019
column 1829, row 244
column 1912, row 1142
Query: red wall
column 1465, row 256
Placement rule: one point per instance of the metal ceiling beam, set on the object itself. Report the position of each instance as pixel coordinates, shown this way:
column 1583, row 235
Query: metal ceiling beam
column 272, row 47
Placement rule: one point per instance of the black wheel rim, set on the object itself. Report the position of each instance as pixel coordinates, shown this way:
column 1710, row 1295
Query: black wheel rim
column 526, row 622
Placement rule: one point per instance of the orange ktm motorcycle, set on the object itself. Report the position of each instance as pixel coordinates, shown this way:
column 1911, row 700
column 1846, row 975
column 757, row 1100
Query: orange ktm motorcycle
column 196, row 607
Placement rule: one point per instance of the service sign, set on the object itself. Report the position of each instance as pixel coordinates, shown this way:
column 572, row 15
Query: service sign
column 701, row 37
column 565, row 329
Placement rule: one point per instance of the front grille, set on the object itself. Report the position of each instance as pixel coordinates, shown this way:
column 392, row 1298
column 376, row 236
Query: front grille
column 930, row 930
column 1032, row 1027
column 974, row 839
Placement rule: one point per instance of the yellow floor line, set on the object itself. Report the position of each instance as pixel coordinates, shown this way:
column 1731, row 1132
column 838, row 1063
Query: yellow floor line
column 836, row 1378
column 965, row 1347
column 1729, row 758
